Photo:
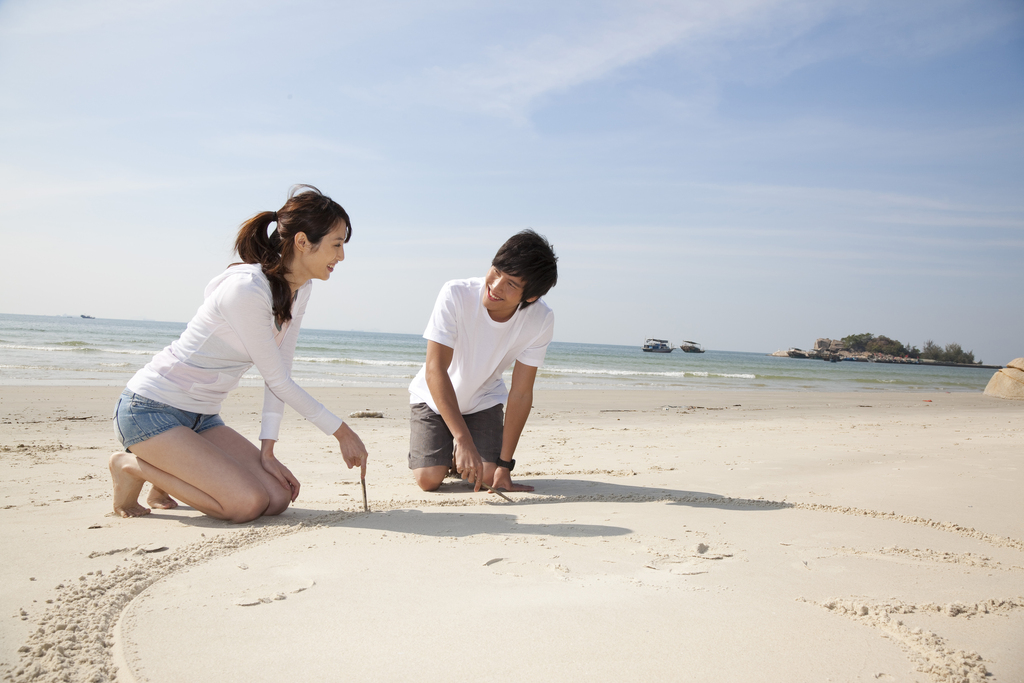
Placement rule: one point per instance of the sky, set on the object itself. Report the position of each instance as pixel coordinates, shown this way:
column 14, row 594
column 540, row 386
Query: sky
column 748, row 174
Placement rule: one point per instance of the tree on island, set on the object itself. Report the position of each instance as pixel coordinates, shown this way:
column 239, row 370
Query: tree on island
column 858, row 342
column 869, row 343
column 953, row 353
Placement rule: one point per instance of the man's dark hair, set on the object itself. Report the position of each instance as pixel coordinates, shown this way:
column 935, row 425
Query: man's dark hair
column 528, row 255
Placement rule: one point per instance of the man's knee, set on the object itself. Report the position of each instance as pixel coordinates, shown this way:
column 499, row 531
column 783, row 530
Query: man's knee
column 429, row 478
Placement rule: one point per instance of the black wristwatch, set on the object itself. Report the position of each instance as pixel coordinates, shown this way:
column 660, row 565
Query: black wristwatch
column 510, row 465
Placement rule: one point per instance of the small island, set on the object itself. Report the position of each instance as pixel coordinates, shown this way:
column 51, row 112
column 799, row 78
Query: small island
column 867, row 348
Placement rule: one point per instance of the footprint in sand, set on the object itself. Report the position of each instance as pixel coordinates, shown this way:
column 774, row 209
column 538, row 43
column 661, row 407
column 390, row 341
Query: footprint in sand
column 265, row 594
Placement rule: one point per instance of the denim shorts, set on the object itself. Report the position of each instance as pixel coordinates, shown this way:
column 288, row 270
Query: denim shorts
column 137, row 418
column 431, row 442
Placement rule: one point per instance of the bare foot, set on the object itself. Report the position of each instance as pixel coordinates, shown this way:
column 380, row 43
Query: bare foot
column 127, row 487
column 160, row 500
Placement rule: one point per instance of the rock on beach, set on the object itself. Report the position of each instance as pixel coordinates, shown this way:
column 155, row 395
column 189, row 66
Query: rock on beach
column 1008, row 382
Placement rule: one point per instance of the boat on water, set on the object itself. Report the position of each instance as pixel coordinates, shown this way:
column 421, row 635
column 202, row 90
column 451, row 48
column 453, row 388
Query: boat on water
column 691, row 347
column 657, row 346
column 89, row 317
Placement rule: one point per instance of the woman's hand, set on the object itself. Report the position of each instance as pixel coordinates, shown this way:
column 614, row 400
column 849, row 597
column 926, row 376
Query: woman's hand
column 278, row 471
column 352, row 448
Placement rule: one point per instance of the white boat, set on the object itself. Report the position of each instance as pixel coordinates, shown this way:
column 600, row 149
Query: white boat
column 657, row 346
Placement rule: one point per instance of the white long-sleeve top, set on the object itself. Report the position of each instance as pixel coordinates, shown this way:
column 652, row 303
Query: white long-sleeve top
column 233, row 330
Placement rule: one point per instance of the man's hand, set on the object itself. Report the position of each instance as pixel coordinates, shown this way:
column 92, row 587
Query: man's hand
column 468, row 462
column 503, row 481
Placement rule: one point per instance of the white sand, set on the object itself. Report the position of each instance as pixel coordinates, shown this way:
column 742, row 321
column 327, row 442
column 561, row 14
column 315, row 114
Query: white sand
column 673, row 536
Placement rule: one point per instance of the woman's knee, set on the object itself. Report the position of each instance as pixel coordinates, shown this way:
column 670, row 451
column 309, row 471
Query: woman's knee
column 279, row 501
column 249, row 506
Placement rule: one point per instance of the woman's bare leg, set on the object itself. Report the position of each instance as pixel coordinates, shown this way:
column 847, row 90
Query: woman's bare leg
column 159, row 499
column 126, row 487
column 248, row 456
column 214, row 472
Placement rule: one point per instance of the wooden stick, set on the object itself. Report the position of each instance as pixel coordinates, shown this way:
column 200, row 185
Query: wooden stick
column 362, row 480
column 494, row 490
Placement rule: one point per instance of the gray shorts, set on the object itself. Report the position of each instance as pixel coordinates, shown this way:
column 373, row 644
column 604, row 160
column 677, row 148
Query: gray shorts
column 431, row 442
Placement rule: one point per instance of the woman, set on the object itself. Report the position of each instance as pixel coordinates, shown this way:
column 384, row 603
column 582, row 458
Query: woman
column 167, row 418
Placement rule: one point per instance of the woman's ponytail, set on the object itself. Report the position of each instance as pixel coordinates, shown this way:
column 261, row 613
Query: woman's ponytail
column 253, row 244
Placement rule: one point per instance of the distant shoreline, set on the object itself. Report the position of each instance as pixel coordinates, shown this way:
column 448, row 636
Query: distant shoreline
column 50, row 351
column 846, row 356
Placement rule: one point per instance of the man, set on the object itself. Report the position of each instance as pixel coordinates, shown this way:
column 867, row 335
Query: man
column 478, row 328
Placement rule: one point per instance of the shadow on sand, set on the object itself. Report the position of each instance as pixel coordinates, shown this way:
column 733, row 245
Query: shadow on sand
column 553, row 491
column 422, row 516
column 449, row 523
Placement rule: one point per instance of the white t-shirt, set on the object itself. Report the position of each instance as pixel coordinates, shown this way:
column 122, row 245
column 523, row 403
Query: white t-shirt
column 233, row 330
column 483, row 348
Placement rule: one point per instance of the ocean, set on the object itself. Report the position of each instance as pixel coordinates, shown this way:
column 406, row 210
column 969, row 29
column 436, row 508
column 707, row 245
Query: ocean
column 66, row 351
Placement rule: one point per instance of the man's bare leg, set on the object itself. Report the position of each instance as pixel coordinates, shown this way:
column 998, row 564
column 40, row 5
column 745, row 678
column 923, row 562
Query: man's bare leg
column 430, row 478
column 127, row 486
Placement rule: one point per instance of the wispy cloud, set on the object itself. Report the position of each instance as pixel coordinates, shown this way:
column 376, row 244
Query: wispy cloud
column 878, row 207
column 291, row 146
column 508, row 79
column 22, row 189
column 727, row 39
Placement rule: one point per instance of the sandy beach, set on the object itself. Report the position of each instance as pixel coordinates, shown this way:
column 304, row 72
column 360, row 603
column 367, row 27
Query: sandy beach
column 727, row 536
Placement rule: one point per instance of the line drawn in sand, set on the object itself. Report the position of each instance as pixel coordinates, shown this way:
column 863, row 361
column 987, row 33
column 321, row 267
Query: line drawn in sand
column 927, row 649
column 76, row 631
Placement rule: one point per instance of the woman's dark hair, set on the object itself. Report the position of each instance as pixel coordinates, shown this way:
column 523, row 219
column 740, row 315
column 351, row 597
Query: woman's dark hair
column 307, row 210
column 528, row 255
